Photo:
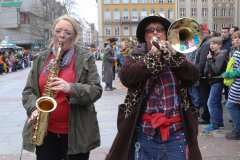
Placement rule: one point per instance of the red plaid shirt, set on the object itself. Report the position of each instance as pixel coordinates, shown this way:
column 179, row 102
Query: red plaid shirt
column 164, row 99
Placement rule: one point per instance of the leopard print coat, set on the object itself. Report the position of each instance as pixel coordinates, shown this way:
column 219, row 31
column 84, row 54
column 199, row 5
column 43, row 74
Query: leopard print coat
column 133, row 97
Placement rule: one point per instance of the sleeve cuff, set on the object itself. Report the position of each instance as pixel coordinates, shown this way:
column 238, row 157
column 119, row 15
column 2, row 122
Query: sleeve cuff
column 152, row 63
column 174, row 61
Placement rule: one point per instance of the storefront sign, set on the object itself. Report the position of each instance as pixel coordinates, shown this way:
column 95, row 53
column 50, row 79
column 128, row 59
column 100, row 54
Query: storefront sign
column 10, row 4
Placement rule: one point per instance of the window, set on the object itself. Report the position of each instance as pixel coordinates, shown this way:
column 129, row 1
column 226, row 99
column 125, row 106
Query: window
column 116, row 31
column 182, row 1
column 107, row 15
column 152, row 1
column 204, row 12
column 134, row 1
column 116, row 15
column 161, row 12
column 161, row 1
column 223, row 25
column 107, row 1
column 215, row 26
column 231, row 12
column 215, row 0
column 170, row 1
column 204, row 0
column 143, row 1
column 125, row 1
column 194, row 0
column 194, row 12
column 143, row 13
column 223, row 12
column 182, row 12
column 134, row 29
column 125, row 31
column 125, row 14
column 152, row 11
column 116, row 1
column 215, row 12
column 170, row 14
column 134, row 15
column 108, row 31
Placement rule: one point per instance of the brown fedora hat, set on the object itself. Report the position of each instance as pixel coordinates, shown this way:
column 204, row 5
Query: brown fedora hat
column 146, row 21
column 112, row 39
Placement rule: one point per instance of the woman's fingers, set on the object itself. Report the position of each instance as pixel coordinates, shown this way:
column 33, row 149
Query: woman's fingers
column 33, row 116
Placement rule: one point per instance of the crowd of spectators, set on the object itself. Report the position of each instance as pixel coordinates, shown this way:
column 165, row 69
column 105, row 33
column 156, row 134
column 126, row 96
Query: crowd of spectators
column 12, row 60
column 211, row 59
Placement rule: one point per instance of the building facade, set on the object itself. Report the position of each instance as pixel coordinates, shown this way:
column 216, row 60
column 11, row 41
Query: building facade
column 215, row 13
column 27, row 23
column 119, row 18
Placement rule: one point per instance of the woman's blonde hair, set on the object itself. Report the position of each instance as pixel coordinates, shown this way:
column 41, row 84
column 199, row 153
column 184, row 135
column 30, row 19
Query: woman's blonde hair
column 71, row 20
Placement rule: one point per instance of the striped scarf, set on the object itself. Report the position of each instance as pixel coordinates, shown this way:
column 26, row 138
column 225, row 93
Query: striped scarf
column 64, row 62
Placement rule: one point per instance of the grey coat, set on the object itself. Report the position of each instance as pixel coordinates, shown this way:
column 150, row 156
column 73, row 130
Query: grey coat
column 107, row 65
column 83, row 132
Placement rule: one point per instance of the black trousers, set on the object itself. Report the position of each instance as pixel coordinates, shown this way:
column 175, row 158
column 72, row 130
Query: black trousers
column 55, row 147
column 204, row 91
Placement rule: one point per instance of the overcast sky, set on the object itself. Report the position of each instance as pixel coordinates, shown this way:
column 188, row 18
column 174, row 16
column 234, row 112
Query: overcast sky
column 88, row 10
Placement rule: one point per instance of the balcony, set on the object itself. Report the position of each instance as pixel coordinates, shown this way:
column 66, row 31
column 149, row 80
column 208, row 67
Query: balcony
column 125, row 20
column 107, row 21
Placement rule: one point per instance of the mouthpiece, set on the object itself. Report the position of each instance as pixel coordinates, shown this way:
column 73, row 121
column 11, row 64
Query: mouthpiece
column 155, row 43
column 60, row 44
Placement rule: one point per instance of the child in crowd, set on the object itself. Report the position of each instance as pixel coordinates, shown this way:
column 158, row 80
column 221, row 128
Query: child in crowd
column 233, row 103
column 215, row 66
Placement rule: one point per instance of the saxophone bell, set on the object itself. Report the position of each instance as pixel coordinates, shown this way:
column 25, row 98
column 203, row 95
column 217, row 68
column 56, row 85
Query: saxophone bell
column 46, row 104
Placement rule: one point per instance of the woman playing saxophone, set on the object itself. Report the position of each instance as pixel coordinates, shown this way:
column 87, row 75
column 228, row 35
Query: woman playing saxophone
column 68, row 75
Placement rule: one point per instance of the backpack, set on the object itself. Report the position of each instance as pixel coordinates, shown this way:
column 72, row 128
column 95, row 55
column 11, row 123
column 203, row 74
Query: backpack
column 229, row 81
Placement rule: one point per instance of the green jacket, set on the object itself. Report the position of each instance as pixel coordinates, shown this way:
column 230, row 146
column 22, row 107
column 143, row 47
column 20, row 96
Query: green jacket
column 83, row 132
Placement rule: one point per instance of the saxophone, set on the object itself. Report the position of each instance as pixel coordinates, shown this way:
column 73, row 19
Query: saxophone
column 45, row 104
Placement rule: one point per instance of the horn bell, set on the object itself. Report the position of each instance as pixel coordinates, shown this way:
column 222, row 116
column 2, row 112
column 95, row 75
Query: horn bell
column 46, row 104
column 185, row 35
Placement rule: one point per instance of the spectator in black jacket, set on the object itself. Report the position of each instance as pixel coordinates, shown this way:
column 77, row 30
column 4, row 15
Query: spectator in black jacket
column 226, row 39
column 201, row 59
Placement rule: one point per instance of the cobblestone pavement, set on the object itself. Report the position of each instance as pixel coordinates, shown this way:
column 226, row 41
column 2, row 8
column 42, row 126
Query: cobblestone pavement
column 12, row 117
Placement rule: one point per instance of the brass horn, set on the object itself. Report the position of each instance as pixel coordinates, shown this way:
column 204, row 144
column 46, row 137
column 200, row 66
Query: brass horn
column 46, row 104
column 185, row 35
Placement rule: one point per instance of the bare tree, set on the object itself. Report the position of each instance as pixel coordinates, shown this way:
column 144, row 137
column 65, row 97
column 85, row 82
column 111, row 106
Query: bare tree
column 69, row 4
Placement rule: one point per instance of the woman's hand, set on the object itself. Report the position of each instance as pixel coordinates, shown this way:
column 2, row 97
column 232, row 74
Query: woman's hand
column 33, row 116
column 163, row 45
column 156, row 47
column 58, row 84
column 170, row 49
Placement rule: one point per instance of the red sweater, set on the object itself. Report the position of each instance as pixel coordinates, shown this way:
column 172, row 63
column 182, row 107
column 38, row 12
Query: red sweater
column 58, row 121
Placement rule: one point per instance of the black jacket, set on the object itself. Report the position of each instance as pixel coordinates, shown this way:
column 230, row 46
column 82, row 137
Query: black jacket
column 215, row 66
column 201, row 58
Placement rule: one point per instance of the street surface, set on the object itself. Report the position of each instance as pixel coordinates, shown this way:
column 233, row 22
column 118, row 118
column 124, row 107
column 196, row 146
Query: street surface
column 12, row 117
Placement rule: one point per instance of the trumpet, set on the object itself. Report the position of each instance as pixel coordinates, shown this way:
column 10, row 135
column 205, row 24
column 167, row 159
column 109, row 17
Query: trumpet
column 185, row 35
